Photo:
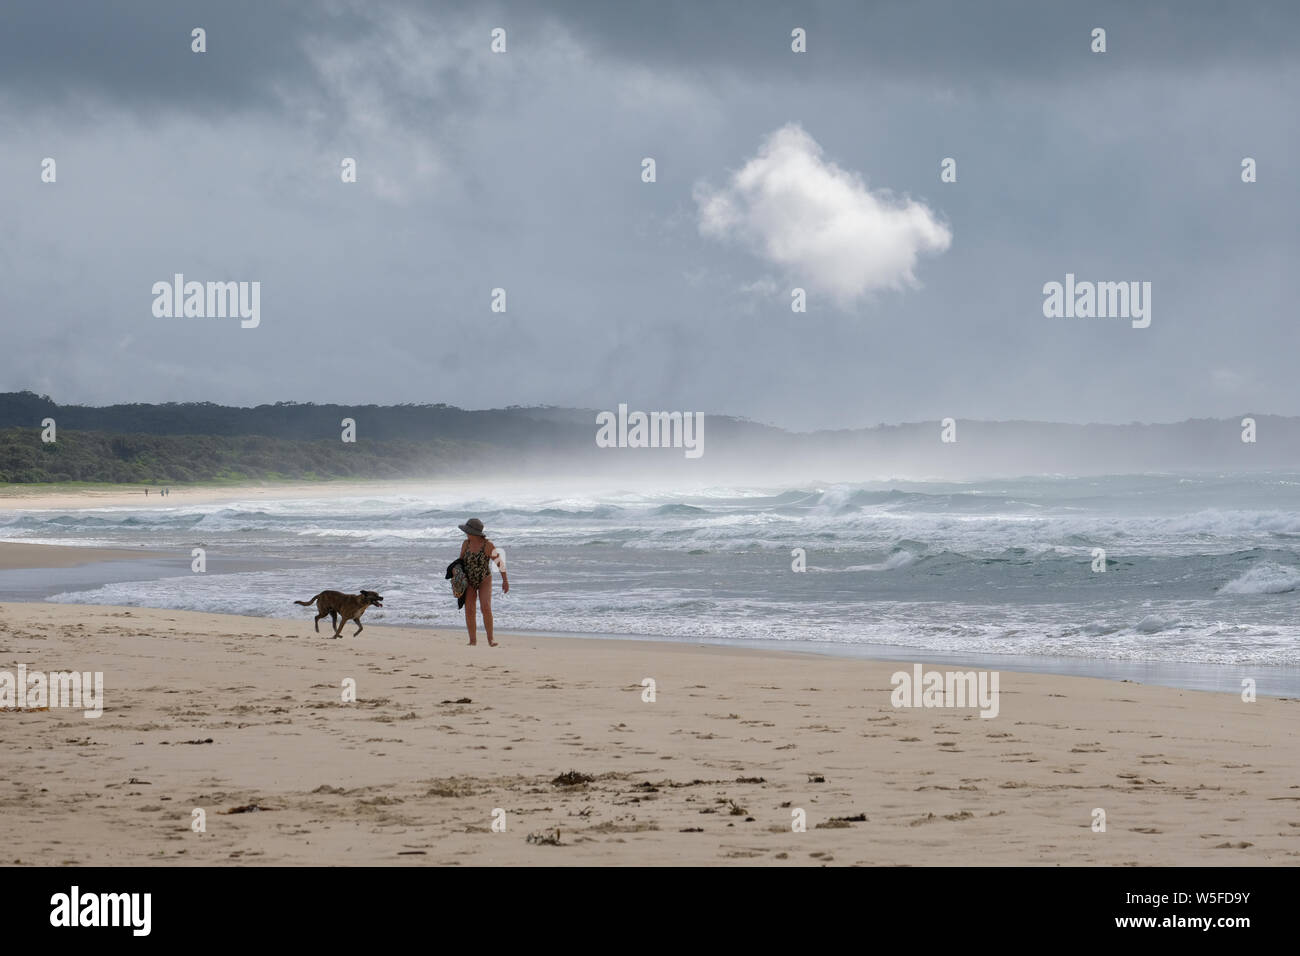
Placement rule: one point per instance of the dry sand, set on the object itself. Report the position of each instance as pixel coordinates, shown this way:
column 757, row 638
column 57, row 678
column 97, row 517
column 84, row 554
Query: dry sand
column 221, row 712
column 46, row 497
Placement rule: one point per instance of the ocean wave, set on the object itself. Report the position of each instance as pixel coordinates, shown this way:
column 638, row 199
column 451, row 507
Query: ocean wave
column 1154, row 623
column 1267, row 578
column 678, row 509
column 900, row 558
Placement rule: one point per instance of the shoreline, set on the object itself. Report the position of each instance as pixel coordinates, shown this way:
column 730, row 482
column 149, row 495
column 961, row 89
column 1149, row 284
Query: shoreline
column 219, row 712
column 32, row 556
column 22, row 582
column 56, row 498
column 1272, row 681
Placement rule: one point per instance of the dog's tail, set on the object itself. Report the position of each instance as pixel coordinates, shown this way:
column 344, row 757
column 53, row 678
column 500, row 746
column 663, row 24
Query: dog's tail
column 307, row 603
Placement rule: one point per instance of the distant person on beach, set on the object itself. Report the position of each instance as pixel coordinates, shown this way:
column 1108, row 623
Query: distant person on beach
column 478, row 554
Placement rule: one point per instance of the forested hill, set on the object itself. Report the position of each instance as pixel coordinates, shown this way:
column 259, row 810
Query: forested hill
column 204, row 441
column 297, row 422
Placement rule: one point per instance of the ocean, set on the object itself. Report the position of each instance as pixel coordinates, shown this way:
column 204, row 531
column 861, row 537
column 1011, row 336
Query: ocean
column 1201, row 571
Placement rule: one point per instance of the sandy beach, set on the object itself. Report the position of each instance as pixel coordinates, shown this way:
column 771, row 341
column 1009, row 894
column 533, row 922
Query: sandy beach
column 222, row 713
column 16, row 497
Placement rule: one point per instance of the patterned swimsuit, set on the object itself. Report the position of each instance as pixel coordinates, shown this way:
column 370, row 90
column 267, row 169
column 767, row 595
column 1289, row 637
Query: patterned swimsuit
column 476, row 567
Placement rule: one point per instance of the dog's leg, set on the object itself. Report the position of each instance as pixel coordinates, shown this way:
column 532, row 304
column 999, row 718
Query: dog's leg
column 318, row 617
column 358, row 630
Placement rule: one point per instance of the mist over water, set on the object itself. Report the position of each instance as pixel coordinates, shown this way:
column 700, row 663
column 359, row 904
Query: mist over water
column 1203, row 569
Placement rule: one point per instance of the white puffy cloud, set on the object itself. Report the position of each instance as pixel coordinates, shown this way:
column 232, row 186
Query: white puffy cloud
column 819, row 222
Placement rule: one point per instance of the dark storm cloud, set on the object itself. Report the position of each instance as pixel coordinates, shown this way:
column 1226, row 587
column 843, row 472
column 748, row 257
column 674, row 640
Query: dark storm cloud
column 952, row 41
column 522, row 171
column 139, row 51
column 138, row 54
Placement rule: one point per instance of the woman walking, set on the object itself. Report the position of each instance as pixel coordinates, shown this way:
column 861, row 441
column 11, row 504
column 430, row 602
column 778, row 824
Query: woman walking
column 478, row 554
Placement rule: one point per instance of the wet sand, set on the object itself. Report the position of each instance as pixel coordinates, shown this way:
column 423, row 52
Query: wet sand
column 17, row 555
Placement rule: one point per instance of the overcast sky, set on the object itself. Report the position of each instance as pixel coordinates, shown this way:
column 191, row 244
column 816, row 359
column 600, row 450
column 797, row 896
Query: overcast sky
column 775, row 170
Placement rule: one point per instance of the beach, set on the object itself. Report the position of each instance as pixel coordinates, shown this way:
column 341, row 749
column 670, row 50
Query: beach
column 243, row 719
column 16, row 497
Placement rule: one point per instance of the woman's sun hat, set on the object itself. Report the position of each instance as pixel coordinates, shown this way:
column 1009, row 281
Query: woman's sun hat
column 472, row 526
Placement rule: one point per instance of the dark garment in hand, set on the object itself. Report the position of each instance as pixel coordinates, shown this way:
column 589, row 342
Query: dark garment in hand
column 459, row 581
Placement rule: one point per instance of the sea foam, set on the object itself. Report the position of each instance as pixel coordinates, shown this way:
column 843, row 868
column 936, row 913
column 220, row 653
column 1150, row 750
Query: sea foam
column 1267, row 578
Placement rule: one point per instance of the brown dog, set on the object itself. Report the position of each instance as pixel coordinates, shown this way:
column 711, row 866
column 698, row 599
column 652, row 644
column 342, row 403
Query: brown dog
column 350, row 606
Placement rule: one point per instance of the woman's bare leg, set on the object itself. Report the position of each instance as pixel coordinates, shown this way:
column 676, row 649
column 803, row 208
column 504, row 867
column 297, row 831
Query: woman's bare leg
column 470, row 622
column 485, row 598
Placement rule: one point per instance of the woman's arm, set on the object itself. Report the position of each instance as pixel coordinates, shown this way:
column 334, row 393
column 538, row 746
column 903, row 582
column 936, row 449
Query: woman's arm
column 498, row 556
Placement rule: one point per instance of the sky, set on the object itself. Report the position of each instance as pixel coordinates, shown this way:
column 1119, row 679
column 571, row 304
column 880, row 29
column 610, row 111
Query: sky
column 774, row 170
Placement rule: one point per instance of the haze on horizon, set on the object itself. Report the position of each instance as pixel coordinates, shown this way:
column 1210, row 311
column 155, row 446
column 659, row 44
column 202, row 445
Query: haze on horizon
column 522, row 170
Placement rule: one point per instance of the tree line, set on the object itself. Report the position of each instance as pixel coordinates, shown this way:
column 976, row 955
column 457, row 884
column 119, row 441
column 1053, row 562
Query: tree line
column 139, row 458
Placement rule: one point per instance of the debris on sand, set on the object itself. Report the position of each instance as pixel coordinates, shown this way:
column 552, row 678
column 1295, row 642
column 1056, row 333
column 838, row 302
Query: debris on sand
column 249, row 808
column 572, row 778
column 835, row 823
column 549, row 837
